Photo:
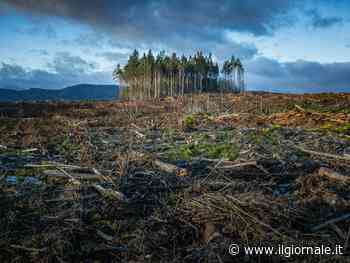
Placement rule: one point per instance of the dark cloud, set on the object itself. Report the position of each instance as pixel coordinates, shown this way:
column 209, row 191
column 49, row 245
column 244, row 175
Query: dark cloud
column 301, row 76
column 221, row 49
column 319, row 21
column 173, row 25
column 177, row 23
column 150, row 16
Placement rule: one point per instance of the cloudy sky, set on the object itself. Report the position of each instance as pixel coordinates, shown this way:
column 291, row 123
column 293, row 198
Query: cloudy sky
column 285, row 45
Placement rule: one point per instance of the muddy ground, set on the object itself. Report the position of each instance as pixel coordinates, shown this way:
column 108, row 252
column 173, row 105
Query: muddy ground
column 175, row 180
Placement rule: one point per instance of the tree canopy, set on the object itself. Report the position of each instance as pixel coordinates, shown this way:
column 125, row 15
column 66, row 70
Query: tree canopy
column 150, row 76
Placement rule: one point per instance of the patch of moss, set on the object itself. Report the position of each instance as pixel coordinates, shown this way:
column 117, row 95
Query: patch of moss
column 326, row 126
column 344, row 129
column 224, row 150
column 341, row 129
column 266, row 135
column 201, row 146
column 189, row 122
column 269, row 131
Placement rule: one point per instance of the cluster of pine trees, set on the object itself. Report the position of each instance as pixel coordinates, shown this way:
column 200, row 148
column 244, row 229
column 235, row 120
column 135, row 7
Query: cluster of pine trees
column 150, row 76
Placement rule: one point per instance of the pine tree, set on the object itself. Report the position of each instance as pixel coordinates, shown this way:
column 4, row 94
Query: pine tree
column 152, row 77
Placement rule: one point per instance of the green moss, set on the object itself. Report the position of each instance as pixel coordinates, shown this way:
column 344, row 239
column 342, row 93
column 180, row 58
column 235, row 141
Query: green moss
column 344, row 129
column 189, row 122
column 266, row 135
column 269, row 131
column 341, row 129
column 203, row 146
column 186, row 152
column 224, row 150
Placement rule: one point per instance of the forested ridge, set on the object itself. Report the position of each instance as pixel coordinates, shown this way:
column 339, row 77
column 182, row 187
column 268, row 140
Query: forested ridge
column 150, row 76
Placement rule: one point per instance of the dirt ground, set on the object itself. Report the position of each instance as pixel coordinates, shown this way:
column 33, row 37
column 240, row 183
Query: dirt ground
column 175, row 180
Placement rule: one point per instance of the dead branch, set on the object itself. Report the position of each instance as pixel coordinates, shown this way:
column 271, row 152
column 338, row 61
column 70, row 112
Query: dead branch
column 327, row 155
column 72, row 176
column 29, row 249
column 299, row 108
column 52, row 165
column 330, row 222
column 221, row 161
column 238, row 165
column 104, row 236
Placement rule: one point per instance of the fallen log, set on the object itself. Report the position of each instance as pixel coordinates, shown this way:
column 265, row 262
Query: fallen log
column 299, row 108
column 104, row 236
column 170, row 168
column 163, row 166
column 109, row 193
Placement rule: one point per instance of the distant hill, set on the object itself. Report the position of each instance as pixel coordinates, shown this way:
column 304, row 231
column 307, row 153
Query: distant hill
column 73, row 93
column 11, row 87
